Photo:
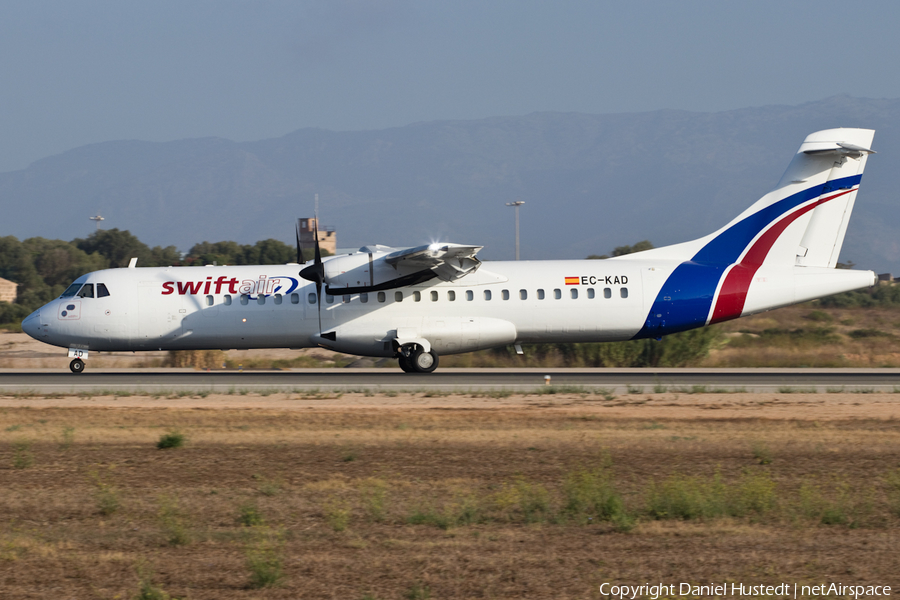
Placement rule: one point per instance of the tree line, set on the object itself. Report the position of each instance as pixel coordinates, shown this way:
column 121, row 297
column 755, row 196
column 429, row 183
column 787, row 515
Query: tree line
column 43, row 268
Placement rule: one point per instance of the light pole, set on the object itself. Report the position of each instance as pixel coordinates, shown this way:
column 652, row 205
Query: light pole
column 517, row 204
column 97, row 220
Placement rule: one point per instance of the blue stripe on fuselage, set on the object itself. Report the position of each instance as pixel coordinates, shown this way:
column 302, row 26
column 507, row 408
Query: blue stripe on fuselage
column 685, row 298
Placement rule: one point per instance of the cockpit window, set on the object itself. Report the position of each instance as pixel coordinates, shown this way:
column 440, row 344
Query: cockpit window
column 71, row 290
column 102, row 292
column 87, row 291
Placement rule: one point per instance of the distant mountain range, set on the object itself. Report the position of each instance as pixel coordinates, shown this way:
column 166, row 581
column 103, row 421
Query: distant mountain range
column 589, row 182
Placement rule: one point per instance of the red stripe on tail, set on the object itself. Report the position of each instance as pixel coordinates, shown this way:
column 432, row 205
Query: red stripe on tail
column 733, row 294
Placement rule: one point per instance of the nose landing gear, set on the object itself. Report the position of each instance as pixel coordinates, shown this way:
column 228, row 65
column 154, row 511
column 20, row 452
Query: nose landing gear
column 77, row 366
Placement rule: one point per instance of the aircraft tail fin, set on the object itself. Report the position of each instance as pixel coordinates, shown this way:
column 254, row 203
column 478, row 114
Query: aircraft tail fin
column 803, row 220
column 796, row 229
column 846, row 150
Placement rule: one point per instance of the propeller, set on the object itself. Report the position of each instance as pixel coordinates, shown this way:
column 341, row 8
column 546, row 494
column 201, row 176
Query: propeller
column 316, row 273
column 300, row 259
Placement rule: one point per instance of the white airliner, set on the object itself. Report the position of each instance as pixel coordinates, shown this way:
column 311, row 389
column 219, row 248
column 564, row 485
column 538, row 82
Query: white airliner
column 419, row 303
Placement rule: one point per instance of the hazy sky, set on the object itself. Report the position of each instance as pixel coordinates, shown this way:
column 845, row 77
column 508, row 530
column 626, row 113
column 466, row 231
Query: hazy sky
column 74, row 73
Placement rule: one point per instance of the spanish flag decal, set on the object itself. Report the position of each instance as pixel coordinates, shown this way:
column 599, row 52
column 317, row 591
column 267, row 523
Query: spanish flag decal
column 573, row 280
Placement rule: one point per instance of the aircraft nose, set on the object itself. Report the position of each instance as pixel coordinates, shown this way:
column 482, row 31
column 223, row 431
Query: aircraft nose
column 32, row 324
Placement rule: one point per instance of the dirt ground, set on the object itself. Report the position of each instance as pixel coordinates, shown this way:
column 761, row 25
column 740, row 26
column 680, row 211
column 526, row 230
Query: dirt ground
column 407, row 496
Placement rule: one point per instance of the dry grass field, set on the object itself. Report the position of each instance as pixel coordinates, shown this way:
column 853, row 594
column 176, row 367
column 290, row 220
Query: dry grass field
column 393, row 497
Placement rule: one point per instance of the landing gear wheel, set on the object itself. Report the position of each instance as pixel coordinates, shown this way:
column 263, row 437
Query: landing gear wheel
column 423, row 362
column 77, row 366
column 405, row 364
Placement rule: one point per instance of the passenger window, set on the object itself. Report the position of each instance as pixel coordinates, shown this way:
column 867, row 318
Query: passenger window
column 260, row 299
column 227, row 299
column 487, row 294
column 574, row 293
column 381, row 296
column 311, row 298
column 470, row 295
column 398, row 296
column 523, row 294
column 623, row 292
column 329, row 299
column 417, row 296
column 277, row 298
column 295, row 298
column 102, row 292
column 540, row 294
column 590, row 292
column 505, row 294
column 363, row 297
column 87, row 291
column 557, row 293
column 607, row 293
column 434, row 296
column 245, row 299
column 209, row 300
column 451, row 295
column 71, row 290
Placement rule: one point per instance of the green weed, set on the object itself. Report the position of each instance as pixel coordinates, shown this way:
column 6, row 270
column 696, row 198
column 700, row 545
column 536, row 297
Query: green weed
column 680, row 497
column 270, row 487
column 761, row 453
column 250, row 516
column 838, row 505
column 68, row 438
column 523, row 501
column 173, row 522
column 373, row 494
column 265, row 558
column 820, row 316
column 23, row 457
column 590, row 496
column 892, row 485
column 418, row 591
column 337, row 514
column 463, row 510
column 173, row 439
column 687, row 498
column 147, row 589
column 105, row 494
column 550, row 390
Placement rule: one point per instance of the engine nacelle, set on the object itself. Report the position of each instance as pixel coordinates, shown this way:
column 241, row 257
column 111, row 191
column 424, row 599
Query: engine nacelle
column 376, row 268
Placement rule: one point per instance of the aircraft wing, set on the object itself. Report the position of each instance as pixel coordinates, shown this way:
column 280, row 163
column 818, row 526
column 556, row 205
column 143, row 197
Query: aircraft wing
column 448, row 261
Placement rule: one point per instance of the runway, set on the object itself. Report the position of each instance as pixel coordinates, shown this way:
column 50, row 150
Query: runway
column 42, row 381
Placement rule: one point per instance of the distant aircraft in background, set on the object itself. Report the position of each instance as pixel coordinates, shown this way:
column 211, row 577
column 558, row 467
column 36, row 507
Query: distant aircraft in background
column 418, row 303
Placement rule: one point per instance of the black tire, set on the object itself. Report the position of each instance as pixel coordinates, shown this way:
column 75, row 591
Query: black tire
column 77, row 366
column 405, row 364
column 423, row 362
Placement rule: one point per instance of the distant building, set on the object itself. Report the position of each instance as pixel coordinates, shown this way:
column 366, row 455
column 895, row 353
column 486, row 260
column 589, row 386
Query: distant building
column 7, row 290
column 327, row 238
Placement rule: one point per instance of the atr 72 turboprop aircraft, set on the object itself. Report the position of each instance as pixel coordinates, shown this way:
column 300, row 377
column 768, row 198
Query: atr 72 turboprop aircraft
column 419, row 303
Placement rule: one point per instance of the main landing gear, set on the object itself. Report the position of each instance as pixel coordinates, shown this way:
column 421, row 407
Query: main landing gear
column 77, row 366
column 414, row 359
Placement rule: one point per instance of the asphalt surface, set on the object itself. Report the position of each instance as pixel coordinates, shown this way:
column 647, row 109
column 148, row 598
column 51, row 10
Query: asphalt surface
column 617, row 380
